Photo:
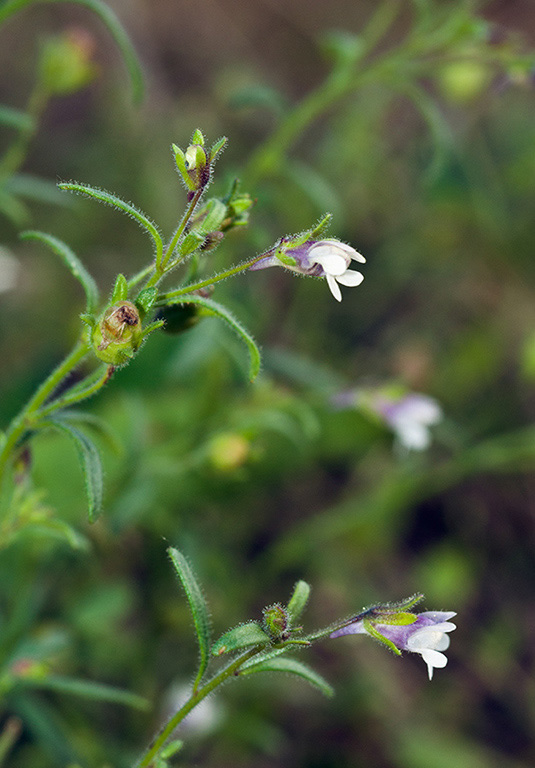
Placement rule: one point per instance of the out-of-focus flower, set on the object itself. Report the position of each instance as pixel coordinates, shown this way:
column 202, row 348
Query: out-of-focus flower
column 426, row 635
column 410, row 415
column 319, row 258
column 410, row 418
column 203, row 719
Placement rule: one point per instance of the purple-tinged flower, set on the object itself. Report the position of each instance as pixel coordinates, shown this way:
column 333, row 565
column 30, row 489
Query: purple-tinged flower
column 320, row 258
column 410, row 415
column 410, row 418
column 427, row 635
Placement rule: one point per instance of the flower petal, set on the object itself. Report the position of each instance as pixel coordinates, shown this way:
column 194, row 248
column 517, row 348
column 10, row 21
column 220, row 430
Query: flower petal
column 334, row 287
column 434, row 659
column 350, row 277
column 333, row 263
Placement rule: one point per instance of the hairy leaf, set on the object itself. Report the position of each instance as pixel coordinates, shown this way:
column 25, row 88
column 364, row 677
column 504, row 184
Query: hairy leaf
column 89, row 460
column 218, row 310
column 72, row 261
column 290, row 666
column 298, row 601
column 198, row 607
column 109, row 199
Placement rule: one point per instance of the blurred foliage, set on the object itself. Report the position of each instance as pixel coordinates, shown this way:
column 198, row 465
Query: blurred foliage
column 430, row 174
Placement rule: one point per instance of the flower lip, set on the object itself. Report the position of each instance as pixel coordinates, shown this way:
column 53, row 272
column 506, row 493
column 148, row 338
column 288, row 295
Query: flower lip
column 426, row 635
column 318, row 258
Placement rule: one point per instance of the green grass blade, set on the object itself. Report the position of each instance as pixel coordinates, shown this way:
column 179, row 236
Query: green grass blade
column 90, row 690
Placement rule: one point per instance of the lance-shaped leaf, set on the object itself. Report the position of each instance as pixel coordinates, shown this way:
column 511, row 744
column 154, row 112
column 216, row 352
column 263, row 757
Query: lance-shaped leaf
column 89, row 690
column 218, row 310
column 298, row 601
column 108, row 199
column 89, row 461
column 120, row 289
column 290, row 666
column 198, row 607
column 240, row 637
column 71, row 260
column 105, row 13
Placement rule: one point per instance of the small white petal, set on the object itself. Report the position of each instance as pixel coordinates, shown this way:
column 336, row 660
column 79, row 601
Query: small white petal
column 333, row 285
column 358, row 257
column 434, row 659
column 411, row 434
column 350, row 277
column 443, row 644
column 332, row 263
column 422, row 408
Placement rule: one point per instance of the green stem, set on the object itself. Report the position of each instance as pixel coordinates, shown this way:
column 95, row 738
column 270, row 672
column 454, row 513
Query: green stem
column 164, row 298
column 192, row 702
column 162, row 263
column 21, row 422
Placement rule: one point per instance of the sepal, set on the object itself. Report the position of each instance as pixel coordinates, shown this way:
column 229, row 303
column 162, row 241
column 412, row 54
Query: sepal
column 120, row 289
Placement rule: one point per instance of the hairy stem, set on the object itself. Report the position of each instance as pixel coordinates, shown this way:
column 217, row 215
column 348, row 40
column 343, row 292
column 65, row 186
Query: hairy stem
column 166, row 298
column 23, row 420
column 192, row 702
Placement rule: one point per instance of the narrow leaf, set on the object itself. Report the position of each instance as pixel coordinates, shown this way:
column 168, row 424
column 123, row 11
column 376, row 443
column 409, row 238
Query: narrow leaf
column 218, row 310
column 293, row 667
column 89, row 460
column 72, row 261
column 106, row 197
column 120, row 289
column 298, row 601
column 99, row 425
column 198, row 607
column 240, row 637
column 90, row 690
column 105, row 13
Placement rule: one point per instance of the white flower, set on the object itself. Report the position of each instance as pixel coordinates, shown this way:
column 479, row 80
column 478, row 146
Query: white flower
column 431, row 640
column 320, row 258
column 426, row 636
column 410, row 418
column 335, row 258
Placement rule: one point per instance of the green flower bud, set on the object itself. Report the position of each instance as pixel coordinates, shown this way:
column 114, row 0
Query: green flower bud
column 118, row 335
column 276, row 621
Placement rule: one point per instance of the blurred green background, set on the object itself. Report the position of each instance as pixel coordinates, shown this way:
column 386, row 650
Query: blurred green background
column 263, row 484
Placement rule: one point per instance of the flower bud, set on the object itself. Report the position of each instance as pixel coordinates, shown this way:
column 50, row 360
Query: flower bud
column 118, row 335
column 66, row 65
column 276, row 621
